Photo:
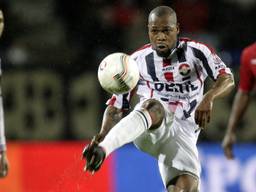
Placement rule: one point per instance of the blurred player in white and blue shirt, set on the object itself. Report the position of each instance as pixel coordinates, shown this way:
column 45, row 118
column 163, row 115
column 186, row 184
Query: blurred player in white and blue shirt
column 3, row 157
column 172, row 105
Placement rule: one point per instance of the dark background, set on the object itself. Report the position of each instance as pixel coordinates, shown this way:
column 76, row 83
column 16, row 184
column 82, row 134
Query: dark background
column 51, row 49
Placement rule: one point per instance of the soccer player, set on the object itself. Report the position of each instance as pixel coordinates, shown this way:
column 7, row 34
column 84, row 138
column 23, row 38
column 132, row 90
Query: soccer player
column 241, row 101
column 3, row 158
column 172, row 108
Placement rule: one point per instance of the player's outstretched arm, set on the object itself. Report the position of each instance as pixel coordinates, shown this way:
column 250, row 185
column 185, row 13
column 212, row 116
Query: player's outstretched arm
column 93, row 153
column 111, row 117
column 223, row 85
column 239, row 107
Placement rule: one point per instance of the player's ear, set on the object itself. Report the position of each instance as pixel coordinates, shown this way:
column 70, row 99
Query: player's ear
column 178, row 28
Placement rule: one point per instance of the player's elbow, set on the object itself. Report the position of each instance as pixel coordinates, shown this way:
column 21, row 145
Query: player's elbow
column 230, row 83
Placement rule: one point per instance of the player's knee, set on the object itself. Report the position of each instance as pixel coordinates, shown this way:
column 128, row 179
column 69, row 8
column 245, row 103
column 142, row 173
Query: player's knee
column 155, row 110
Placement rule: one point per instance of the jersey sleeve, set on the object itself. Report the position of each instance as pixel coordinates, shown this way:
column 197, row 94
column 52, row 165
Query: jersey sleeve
column 121, row 101
column 246, row 81
column 211, row 63
column 217, row 66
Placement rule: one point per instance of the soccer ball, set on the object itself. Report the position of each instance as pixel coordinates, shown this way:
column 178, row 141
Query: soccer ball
column 118, row 73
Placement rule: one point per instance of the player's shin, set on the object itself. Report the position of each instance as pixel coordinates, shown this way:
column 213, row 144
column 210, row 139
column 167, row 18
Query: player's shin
column 127, row 130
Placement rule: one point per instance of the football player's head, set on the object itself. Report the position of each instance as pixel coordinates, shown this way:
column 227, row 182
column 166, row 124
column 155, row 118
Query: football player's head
column 163, row 30
column 1, row 22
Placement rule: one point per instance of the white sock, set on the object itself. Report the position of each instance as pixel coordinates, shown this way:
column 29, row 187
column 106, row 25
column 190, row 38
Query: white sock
column 127, row 130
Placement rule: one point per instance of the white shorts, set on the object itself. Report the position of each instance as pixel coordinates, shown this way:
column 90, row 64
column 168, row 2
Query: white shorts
column 173, row 145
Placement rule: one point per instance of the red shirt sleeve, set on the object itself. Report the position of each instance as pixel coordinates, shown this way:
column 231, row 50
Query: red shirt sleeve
column 246, row 81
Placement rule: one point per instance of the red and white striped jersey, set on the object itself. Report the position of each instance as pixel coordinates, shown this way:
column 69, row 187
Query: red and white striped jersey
column 177, row 81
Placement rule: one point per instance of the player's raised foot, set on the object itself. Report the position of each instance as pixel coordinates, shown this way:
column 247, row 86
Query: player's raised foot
column 94, row 156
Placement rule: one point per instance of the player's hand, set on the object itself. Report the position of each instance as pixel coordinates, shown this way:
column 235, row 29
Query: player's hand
column 203, row 112
column 4, row 165
column 94, row 156
column 227, row 144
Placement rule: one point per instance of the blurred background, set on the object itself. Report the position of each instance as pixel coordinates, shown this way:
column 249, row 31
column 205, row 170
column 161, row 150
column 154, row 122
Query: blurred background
column 51, row 49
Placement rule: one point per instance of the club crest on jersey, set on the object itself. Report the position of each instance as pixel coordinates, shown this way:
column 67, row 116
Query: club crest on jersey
column 184, row 69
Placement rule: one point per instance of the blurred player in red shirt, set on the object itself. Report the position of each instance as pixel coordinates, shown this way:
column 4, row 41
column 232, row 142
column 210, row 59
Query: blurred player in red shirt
column 241, row 101
column 3, row 157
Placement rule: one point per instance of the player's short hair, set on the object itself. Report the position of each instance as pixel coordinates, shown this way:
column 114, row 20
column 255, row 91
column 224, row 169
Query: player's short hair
column 162, row 11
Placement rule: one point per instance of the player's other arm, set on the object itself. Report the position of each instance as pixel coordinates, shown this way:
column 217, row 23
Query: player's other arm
column 112, row 116
column 246, row 83
column 239, row 107
column 222, row 86
column 93, row 153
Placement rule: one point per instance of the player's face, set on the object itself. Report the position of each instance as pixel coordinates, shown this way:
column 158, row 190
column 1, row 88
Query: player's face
column 1, row 22
column 163, row 32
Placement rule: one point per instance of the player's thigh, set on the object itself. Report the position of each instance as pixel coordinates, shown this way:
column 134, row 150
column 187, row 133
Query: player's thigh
column 184, row 183
column 155, row 110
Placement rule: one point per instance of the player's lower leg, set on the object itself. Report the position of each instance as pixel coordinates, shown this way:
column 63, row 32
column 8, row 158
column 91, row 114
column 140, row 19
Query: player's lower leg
column 149, row 116
column 127, row 130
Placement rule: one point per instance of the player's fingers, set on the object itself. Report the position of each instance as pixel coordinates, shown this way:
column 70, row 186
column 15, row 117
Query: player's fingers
column 205, row 119
column 229, row 153
column 200, row 118
column 209, row 116
column 196, row 117
column 228, row 150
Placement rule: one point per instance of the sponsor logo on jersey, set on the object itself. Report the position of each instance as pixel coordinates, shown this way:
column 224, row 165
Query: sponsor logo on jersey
column 175, row 87
column 184, row 69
